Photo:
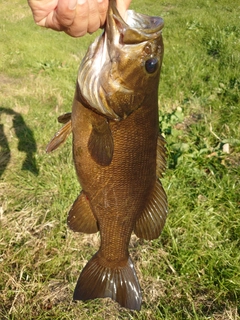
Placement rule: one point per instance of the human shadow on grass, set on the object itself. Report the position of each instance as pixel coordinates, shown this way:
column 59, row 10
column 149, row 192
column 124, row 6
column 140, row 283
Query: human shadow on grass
column 26, row 143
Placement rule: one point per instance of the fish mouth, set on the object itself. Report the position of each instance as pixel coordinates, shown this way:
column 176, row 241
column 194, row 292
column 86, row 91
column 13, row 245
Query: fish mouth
column 93, row 77
column 135, row 28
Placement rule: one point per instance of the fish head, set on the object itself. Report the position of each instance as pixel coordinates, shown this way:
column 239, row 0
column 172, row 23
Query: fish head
column 122, row 67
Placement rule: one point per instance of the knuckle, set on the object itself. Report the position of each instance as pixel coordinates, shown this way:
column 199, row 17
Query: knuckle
column 65, row 19
column 92, row 27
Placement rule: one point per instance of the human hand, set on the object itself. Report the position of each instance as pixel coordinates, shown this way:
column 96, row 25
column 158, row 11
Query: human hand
column 75, row 17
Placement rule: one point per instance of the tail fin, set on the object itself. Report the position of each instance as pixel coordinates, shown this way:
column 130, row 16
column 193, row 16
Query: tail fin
column 100, row 281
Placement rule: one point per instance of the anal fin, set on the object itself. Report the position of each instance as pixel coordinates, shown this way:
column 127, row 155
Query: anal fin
column 80, row 217
column 151, row 221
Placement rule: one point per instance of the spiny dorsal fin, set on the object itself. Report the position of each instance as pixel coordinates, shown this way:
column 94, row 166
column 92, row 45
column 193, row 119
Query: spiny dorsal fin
column 161, row 156
column 80, row 217
column 100, row 143
column 101, row 280
column 60, row 137
column 151, row 221
column 64, row 118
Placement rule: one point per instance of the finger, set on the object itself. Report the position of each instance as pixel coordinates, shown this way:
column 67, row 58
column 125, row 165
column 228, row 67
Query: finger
column 62, row 16
column 102, row 10
column 80, row 24
column 65, row 12
column 41, row 9
column 90, row 15
column 93, row 18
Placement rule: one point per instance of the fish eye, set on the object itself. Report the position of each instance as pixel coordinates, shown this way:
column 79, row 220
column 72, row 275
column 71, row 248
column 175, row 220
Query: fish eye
column 151, row 65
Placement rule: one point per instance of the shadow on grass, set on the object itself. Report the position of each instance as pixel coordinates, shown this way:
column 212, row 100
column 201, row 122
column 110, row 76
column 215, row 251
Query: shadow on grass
column 26, row 143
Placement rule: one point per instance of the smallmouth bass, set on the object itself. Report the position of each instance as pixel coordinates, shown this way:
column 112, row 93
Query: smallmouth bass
column 118, row 152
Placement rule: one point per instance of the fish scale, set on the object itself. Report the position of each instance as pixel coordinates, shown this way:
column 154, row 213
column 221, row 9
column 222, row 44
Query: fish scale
column 118, row 152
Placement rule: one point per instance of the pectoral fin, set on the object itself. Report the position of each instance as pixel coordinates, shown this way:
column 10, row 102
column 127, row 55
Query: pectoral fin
column 100, row 144
column 64, row 118
column 80, row 217
column 60, row 137
column 151, row 221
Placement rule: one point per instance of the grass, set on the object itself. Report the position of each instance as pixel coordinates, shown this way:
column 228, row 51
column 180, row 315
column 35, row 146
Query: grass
column 193, row 270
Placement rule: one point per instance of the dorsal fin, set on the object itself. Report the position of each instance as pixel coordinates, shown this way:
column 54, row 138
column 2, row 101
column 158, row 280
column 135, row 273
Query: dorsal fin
column 161, row 156
column 151, row 221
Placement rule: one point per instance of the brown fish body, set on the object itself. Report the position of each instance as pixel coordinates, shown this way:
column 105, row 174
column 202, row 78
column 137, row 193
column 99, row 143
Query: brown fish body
column 118, row 152
column 117, row 193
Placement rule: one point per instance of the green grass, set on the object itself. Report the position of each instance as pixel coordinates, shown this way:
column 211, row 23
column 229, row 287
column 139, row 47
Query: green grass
column 193, row 270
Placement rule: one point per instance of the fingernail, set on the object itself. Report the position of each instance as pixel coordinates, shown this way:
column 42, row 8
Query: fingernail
column 81, row 1
column 72, row 4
